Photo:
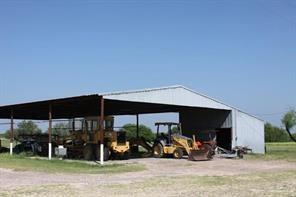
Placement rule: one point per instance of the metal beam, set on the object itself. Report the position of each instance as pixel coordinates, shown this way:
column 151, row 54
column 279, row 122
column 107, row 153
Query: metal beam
column 102, row 131
column 137, row 125
column 49, row 131
column 73, row 124
column 137, row 130
column 11, row 133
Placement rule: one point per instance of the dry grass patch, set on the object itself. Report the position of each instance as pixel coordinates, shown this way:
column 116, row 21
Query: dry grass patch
column 22, row 163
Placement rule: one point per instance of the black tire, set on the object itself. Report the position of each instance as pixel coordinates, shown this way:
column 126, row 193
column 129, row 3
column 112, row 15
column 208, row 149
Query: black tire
column 209, row 148
column 126, row 155
column 157, row 151
column 88, row 152
column 178, row 153
column 240, row 154
column 122, row 156
column 106, row 153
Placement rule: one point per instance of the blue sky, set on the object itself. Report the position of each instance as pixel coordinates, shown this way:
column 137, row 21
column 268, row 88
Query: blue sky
column 240, row 52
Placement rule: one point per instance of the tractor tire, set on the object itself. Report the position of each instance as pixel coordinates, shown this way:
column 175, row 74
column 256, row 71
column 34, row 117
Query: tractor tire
column 240, row 154
column 209, row 148
column 212, row 149
column 106, row 153
column 88, row 152
column 158, row 151
column 178, row 153
column 122, row 156
column 126, row 155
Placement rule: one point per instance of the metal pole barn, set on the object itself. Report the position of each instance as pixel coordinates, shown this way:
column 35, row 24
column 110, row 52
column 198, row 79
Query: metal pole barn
column 49, row 131
column 11, row 132
column 102, row 131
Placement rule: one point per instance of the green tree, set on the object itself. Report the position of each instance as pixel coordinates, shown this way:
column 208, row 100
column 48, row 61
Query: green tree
column 24, row 128
column 144, row 131
column 7, row 134
column 294, row 135
column 289, row 121
column 175, row 130
column 61, row 129
column 275, row 134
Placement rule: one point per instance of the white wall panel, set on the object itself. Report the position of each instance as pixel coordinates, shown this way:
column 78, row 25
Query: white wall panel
column 249, row 132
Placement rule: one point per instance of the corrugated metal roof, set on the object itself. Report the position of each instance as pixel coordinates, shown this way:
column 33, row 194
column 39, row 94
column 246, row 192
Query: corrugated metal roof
column 173, row 96
column 143, row 95
column 162, row 88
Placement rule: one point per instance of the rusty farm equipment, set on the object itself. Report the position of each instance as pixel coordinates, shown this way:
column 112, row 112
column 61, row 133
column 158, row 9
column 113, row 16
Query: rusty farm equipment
column 83, row 141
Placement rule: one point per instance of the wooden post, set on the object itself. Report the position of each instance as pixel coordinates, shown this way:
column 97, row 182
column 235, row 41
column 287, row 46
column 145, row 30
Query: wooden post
column 11, row 133
column 49, row 131
column 102, row 131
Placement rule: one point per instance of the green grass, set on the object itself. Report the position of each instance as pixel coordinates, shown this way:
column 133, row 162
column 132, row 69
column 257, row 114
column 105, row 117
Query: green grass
column 22, row 163
column 277, row 151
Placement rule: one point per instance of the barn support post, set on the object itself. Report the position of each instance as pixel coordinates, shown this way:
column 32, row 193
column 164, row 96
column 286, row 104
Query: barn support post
column 49, row 131
column 73, row 125
column 137, row 130
column 11, row 133
column 137, row 125
column 102, row 117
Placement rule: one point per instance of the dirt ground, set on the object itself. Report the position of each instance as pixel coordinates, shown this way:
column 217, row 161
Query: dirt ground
column 163, row 177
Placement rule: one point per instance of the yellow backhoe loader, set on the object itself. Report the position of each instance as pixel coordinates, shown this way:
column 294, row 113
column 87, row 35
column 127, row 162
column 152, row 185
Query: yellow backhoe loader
column 177, row 145
column 84, row 140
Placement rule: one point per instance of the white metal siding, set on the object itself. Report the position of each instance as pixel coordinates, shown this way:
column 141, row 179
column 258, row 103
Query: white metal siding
column 228, row 122
column 172, row 96
column 249, row 131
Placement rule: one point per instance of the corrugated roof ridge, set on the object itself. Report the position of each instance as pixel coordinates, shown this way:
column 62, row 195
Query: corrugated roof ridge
column 163, row 88
column 140, row 90
column 174, row 87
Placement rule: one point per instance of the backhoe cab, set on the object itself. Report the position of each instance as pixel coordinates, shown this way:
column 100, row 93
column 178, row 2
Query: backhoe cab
column 173, row 143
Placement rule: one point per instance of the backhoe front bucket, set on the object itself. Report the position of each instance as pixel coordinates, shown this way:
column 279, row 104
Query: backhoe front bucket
column 199, row 155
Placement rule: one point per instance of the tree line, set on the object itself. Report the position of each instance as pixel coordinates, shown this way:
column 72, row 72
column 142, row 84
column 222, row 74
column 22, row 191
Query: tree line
column 62, row 129
column 279, row 134
column 28, row 127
